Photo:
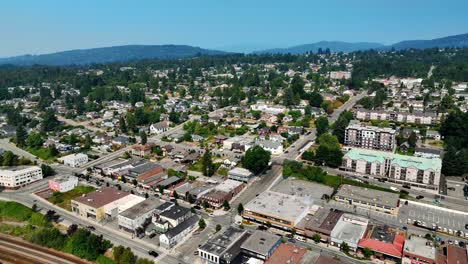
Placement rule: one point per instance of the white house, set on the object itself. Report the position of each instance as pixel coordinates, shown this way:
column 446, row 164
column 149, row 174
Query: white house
column 276, row 148
column 75, row 160
column 178, row 233
column 160, row 127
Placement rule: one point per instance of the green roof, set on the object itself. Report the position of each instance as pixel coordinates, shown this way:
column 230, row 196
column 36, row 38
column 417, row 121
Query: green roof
column 401, row 160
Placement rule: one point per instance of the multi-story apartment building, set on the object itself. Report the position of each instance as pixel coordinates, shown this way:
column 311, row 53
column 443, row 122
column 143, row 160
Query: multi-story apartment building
column 16, row 177
column 417, row 172
column 371, row 137
column 401, row 117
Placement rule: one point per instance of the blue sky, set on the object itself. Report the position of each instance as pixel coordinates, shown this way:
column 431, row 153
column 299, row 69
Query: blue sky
column 34, row 27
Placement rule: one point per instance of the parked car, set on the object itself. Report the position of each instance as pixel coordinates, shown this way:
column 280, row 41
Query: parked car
column 153, row 253
column 419, row 197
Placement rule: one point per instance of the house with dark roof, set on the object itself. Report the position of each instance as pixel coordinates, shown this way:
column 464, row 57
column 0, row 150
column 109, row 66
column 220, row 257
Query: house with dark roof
column 174, row 235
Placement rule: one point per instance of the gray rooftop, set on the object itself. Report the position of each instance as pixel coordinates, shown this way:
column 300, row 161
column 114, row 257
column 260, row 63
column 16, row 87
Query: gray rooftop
column 175, row 212
column 182, row 226
column 280, row 205
column 144, row 207
column 369, row 195
column 420, row 246
column 301, row 188
column 168, row 181
column 241, row 172
column 221, row 243
column 144, row 167
column 350, row 228
column 261, row 242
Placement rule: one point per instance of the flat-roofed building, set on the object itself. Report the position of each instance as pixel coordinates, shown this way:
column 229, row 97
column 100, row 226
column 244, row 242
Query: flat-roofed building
column 384, row 242
column 320, row 221
column 370, row 137
column 260, row 245
column 457, row 255
column 104, row 203
column 350, row 229
column 16, row 177
column 63, row 183
column 418, row 172
column 75, row 160
column 287, row 253
column 370, row 199
column 224, row 247
column 281, row 210
column 419, row 250
column 135, row 216
column 225, row 191
column 240, row 174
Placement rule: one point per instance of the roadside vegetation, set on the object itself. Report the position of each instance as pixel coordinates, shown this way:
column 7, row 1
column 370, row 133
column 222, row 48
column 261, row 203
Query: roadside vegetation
column 64, row 199
column 21, row 221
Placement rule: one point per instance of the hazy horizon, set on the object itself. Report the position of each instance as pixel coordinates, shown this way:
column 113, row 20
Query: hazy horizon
column 53, row 26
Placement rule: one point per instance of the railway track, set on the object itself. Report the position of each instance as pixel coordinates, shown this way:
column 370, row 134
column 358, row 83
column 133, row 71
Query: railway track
column 13, row 250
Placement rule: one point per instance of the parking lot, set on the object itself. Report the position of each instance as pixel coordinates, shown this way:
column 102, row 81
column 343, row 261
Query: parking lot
column 455, row 189
column 443, row 218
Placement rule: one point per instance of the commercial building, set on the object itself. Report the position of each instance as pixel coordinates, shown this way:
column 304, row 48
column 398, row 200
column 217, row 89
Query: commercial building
column 349, row 229
column 136, row 216
column 421, row 173
column 224, row 247
column 16, row 177
column 225, row 191
column 281, row 210
column 419, row 250
column 457, row 255
column 287, row 253
column 178, row 233
column 427, row 153
column 260, row 245
column 386, row 243
column 320, row 221
column 240, row 174
column 104, row 203
column 370, row 137
column 370, row 199
column 63, row 183
column 75, row 160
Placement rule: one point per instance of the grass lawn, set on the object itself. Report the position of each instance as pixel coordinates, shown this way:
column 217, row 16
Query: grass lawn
column 42, row 153
column 15, row 211
column 64, row 199
column 197, row 166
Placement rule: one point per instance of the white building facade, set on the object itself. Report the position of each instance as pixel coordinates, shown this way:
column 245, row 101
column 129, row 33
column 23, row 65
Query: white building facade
column 16, row 177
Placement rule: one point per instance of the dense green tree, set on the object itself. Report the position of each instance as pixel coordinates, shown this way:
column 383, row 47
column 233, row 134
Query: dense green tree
column 339, row 127
column 315, row 99
column 240, row 209
column 144, row 137
column 329, row 151
column 21, row 135
column 201, row 223
column 321, row 125
column 256, row 159
column 49, row 121
column 122, row 125
column 208, row 168
column 226, row 205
